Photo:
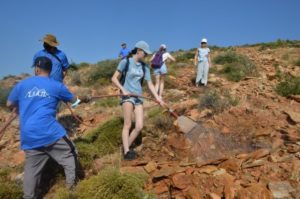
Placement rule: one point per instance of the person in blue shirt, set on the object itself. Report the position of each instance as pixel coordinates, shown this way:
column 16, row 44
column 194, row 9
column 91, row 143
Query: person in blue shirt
column 203, row 62
column 136, row 72
column 58, row 58
column 124, row 52
column 41, row 135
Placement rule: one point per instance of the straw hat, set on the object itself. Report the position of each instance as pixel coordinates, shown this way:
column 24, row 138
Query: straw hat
column 50, row 39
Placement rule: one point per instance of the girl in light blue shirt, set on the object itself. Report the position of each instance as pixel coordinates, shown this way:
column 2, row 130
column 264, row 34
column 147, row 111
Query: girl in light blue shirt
column 135, row 73
column 203, row 62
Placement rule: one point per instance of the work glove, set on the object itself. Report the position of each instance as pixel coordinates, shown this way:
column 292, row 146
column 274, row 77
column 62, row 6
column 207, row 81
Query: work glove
column 81, row 99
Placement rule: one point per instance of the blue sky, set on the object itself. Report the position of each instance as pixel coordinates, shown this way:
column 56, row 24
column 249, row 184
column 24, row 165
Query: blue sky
column 92, row 30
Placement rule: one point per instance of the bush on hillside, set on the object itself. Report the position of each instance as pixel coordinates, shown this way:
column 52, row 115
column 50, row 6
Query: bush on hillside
column 185, row 56
column 289, row 86
column 217, row 102
column 9, row 189
column 102, row 72
column 100, row 141
column 236, row 66
column 111, row 183
column 4, row 92
column 75, row 78
column 297, row 62
column 278, row 44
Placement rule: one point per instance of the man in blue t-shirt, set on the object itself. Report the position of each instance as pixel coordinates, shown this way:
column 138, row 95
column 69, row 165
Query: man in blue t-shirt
column 124, row 52
column 58, row 58
column 41, row 135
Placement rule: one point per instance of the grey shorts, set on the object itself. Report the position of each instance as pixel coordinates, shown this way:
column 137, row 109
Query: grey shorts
column 134, row 100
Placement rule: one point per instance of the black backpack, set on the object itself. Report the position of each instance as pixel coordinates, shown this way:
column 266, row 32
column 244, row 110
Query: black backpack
column 124, row 72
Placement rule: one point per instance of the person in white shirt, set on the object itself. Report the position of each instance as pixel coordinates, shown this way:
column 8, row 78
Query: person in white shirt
column 160, row 71
column 203, row 61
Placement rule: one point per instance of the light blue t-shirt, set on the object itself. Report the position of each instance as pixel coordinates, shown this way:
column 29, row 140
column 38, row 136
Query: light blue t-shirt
column 37, row 98
column 203, row 54
column 57, row 67
column 124, row 52
column 134, row 75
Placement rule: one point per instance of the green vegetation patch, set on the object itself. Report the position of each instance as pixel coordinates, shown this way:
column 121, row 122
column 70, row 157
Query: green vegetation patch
column 289, row 86
column 217, row 102
column 111, row 183
column 9, row 189
column 4, row 92
column 236, row 66
column 99, row 142
column 102, row 72
column 108, row 102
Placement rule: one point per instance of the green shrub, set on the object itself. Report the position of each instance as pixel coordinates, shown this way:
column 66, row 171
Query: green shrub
column 108, row 102
column 185, row 56
column 100, row 141
column 289, row 86
column 75, row 78
column 9, row 189
column 102, row 72
column 297, row 62
column 216, row 102
column 227, row 58
column 278, row 44
column 110, row 183
column 236, row 66
column 4, row 92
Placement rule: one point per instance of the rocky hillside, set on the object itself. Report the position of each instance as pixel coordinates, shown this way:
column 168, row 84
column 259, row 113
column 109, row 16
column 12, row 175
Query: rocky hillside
column 246, row 143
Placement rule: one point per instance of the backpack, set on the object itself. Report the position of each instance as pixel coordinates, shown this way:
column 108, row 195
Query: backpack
column 124, row 72
column 157, row 61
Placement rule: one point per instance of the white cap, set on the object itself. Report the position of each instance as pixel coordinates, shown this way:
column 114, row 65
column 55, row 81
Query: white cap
column 163, row 46
column 204, row 40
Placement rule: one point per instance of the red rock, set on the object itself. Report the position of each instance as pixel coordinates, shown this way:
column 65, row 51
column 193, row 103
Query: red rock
column 295, row 117
column 225, row 130
column 181, row 180
column 178, row 141
column 194, row 193
column 257, row 191
column 164, row 172
column 151, row 166
column 213, row 196
column 189, row 171
column 133, row 170
column 260, row 153
column 280, row 189
column 232, row 165
column 208, row 169
column 161, row 187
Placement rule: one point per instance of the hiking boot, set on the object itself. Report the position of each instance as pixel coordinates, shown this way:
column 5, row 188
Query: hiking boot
column 130, row 155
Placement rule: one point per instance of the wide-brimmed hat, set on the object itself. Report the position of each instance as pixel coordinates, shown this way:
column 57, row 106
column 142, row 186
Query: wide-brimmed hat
column 50, row 39
column 144, row 46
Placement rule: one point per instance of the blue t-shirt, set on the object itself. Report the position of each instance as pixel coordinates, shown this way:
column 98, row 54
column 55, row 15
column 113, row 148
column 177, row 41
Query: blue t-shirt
column 203, row 54
column 134, row 75
column 57, row 67
column 124, row 52
column 37, row 98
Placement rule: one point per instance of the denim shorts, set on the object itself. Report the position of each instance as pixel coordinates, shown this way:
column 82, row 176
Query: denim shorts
column 134, row 100
column 161, row 71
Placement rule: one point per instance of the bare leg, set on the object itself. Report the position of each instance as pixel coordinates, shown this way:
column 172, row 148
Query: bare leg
column 127, row 111
column 162, row 84
column 139, row 120
column 157, row 83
